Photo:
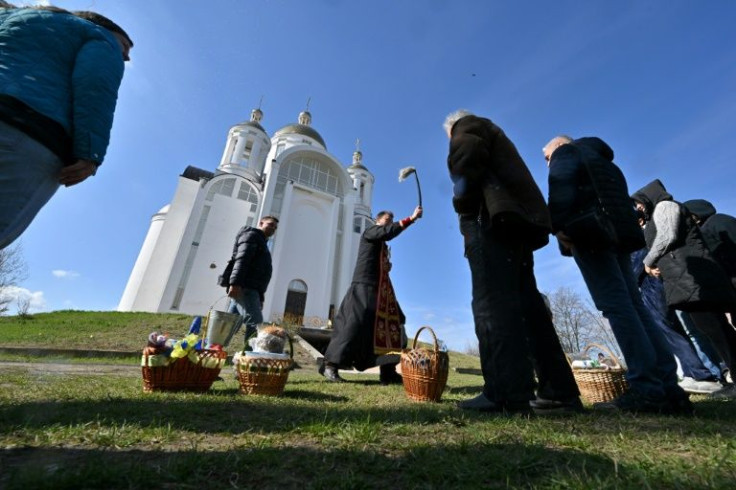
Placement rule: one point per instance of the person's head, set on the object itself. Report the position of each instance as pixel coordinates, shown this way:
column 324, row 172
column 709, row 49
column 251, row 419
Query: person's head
column 384, row 218
column 268, row 225
column 122, row 37
column 553, row 144
column 601, row 356
column 454, row 117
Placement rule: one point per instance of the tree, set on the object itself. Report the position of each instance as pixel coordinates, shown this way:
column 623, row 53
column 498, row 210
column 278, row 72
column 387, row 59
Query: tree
column 578, row 323
column 12, row 271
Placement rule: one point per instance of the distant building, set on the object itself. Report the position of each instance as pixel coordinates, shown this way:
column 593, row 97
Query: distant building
column 323, row 208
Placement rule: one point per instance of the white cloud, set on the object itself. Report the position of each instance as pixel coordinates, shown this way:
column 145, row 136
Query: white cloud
column 15, row 295
column 62, row 274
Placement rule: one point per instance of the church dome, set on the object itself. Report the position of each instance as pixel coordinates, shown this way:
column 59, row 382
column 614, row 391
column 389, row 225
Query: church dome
column 303, row 128
column 255, row 119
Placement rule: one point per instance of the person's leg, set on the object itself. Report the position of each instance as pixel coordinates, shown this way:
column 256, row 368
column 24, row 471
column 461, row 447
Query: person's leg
column 702, row 345
column 497, row 311
column 29, row 177
column 721, row 334
column 610, row 292
column 555, row 379
column 665, row 367
column 248, row 306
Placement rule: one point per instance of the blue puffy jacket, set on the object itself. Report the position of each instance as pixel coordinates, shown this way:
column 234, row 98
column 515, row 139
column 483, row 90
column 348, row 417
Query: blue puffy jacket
column 64, row 68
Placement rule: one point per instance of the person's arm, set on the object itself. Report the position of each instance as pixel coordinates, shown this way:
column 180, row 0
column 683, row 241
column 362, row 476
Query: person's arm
column 247, row 246
column 666, row 217
column 564, row 171
column 466, row 162
column 98, row 72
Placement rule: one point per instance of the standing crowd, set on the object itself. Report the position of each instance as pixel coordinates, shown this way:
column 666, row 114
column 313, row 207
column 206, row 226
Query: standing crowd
column 661, row 272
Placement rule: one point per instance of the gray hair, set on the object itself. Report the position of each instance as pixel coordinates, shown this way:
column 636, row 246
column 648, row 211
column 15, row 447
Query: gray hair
column 454, row 117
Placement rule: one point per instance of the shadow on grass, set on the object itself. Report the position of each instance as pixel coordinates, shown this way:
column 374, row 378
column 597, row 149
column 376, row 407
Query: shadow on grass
column 478, row 465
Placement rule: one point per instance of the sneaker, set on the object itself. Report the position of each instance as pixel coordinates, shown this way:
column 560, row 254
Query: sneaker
column 632, row 402
column 542, row 406
column 728, row 392
column 482, row 404
column 695, row 387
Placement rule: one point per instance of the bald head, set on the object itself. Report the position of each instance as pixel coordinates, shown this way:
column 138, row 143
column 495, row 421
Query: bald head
column 554, row 143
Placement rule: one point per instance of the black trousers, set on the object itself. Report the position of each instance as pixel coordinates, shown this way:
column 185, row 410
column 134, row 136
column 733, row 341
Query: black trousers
column 515, row 332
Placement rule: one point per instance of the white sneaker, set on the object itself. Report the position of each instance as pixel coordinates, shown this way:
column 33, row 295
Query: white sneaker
column 693, row 386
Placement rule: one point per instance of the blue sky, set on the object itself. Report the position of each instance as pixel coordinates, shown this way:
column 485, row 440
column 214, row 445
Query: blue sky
column 655, row 79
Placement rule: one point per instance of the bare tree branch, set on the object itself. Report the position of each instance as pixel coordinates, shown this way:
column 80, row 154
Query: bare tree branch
column 12, row 271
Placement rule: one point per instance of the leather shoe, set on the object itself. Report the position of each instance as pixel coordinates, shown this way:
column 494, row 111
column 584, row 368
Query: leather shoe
column 482, row 404
column 330, row 373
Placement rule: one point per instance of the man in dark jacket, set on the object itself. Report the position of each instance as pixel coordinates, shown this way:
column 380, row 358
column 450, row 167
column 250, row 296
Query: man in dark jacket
column 593, row 218
column 719, row 233
column 59, row 79
column 370, row 321
column 503, row 219
column 694, row 282
column 251, row 274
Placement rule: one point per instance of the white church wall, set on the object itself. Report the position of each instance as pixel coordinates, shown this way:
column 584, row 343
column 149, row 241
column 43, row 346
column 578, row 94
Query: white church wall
column 226, row 216
column 137, row 276
column 305, row 250
column 153, row 284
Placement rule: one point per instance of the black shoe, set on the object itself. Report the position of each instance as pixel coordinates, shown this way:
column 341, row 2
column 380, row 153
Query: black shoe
column 728, row 392
column 330, row 373
column 633, row 402
column 680, row 406
column 389, row 376
column 542, row 406
column 482, row 404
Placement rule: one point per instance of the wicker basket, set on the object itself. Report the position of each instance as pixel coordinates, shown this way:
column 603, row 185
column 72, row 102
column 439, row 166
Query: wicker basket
column 184, row 374
column 599, row 384
column 424, row 371
column 260, row 375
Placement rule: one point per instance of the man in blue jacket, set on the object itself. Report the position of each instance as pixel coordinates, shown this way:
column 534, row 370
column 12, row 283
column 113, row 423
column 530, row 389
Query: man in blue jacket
column 594, row 221
column 59, row 78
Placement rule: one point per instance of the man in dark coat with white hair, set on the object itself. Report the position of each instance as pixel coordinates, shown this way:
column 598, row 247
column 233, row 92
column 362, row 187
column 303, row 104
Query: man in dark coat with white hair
column 503, row 219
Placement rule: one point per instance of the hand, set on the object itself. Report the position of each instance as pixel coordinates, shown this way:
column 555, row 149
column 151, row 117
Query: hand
column 418, row 211
column 652, row 271
column 77, row 172
column 234, row 291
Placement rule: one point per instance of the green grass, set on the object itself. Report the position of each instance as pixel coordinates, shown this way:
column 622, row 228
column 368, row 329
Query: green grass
column 100, row 431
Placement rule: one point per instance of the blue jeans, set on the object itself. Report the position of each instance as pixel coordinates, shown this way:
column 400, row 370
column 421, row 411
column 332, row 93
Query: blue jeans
column 652, row 370
column 248, row 306
column 29, row 177
column 652, row 293
column 516, row 336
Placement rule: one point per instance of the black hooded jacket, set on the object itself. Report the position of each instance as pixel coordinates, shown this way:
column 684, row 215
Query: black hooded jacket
column 693, row 280
column 575, row 190
column 719, row 233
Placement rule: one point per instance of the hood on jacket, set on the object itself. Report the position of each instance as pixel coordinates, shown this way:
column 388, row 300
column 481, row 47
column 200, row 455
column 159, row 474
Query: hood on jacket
column 596, row 145
column 651, row 194
column 701, row 208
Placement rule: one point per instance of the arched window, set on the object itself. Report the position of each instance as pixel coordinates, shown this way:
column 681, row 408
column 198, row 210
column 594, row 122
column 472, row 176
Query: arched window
column 296, row 302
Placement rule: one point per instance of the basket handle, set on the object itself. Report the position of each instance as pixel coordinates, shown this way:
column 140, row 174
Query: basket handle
column 605, row 349
column 434, row 338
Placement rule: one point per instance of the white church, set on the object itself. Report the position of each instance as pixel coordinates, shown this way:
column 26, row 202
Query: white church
column 322, row 207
